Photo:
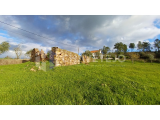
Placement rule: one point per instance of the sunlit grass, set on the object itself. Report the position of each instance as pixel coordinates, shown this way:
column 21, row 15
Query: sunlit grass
column 99, row 83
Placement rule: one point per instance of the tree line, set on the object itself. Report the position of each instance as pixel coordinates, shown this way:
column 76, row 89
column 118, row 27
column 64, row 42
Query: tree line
column 4, row 47
column 120, row 48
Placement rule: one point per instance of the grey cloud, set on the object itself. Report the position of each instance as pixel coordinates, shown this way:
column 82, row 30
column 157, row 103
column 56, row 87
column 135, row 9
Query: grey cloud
column 84, row 31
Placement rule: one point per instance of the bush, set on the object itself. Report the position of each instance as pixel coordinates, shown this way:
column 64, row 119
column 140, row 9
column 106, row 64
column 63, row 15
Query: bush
column 150, row 57
column 140, row 60
column 112, row 55
column 156, row 60
column 133, row 56
column 157, row 55
column 143, row 55
column 121, row 57
column 104, row 56
column 128, row 57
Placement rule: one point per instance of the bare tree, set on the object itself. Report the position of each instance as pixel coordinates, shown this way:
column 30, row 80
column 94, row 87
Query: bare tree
column 18, row 51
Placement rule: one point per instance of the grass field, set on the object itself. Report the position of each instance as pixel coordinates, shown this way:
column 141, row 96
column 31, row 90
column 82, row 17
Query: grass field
column 99, row 83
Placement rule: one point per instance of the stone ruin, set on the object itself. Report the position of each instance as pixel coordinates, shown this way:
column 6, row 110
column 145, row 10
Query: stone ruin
column 59, row 57
column 38, row 56
column 63, row 57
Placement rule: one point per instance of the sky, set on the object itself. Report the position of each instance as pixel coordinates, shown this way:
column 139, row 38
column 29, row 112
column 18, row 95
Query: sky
column 88, row 32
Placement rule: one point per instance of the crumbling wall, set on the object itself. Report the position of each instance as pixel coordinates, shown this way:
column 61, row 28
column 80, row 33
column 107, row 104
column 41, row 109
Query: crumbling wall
column 59, row 57
column 63, row 57
column 37, row 56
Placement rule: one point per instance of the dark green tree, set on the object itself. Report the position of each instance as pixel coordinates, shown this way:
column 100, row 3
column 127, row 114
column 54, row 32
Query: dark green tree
column 124, row 48
column 120, row 47
column 132, row 46
column 157, row 44
column 87, row 53
column 146, row 46
column 139, row 46
column 105, row 50
column 4, row 47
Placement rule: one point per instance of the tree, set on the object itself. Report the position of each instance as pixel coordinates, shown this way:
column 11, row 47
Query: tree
column 150, row 57
column 139, row 46
column 97, row 54
column 48, row 53
column 146, row 46
column 157, row 44
column 4, row 47
column 124, row 48
column 105, row 50
column 132, row 46
column 133, row 56
column 18, row 51
column 120, row 47
column 28, row 53
column 87, row 53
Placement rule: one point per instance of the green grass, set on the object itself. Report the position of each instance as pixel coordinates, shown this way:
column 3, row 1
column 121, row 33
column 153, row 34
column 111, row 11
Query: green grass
column 101, row 83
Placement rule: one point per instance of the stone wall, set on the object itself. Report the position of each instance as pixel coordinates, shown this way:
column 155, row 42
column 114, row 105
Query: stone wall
column 12, row 61
column 37, row 56
column 63, row 57
column 59, row 57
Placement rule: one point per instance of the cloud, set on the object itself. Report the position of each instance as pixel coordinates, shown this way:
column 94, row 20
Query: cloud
column 70, row 31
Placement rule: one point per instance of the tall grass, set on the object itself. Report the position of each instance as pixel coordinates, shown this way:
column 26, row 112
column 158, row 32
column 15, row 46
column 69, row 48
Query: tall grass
column 99, row 83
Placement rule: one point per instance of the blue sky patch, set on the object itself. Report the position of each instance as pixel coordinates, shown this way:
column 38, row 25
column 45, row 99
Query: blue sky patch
column 157, row 23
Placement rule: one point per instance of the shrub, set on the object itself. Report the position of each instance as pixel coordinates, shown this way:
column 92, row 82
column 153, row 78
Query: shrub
column 156, row 60
column 104, row 56
column 121, row 57
column 143, row 55
column 113, row 55
column 128, row 57
column 133, row 56
column 150, row 57
column 157, row 55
